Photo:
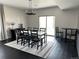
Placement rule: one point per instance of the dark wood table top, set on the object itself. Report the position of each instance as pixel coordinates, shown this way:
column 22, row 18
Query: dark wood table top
column 11, row 53
column 70, row 28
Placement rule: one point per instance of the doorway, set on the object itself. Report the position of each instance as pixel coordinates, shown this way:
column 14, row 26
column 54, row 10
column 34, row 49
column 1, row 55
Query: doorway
column 48, row 22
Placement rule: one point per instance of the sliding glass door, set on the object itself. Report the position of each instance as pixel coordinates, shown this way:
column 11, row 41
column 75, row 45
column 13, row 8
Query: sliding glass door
column 51, row 25
column 48, row 22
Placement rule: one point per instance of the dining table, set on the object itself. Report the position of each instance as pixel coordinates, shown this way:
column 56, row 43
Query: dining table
column 71, row 29
column 41, row 35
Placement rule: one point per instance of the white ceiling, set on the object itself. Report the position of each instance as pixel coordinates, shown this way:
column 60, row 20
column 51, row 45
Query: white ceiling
column 63, row 4
column 67, row 4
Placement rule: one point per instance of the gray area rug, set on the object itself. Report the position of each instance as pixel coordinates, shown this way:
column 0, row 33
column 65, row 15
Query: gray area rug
column 42, row 51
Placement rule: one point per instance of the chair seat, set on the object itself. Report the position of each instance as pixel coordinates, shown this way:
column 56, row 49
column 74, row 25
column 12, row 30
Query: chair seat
column 36, row 40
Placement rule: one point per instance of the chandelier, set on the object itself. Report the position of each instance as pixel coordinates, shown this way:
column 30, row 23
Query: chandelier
column 30, row 10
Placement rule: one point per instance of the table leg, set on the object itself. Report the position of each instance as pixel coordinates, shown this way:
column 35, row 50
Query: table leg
column 65, row 35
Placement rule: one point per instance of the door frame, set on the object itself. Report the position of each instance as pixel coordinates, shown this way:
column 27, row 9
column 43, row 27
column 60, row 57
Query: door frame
column 46, row 23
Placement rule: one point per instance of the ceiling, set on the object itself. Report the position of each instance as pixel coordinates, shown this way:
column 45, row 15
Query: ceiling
column 62, row 4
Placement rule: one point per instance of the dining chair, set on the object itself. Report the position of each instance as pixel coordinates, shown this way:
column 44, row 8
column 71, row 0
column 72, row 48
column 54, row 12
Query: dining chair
column 45, row 36
column 43, row 29
column 34, row 38
column 72, row 34
column 26, row 37
column 18, row 35
column 35, row 28
column 58, row 33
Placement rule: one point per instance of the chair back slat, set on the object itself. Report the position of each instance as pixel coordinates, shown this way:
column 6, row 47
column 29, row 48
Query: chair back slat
column 34, row 34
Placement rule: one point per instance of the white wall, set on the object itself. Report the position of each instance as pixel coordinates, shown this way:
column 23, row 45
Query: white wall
column 14, row 15
column 68, row 18
column 33, row 21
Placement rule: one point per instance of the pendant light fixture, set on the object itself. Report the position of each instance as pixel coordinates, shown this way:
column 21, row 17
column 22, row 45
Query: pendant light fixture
column 30, row 10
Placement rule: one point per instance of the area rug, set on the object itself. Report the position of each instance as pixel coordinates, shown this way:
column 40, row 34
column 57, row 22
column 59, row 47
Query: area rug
column 41, row 52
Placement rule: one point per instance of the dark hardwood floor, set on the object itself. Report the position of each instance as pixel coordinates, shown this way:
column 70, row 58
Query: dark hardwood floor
column 11, row 53
column 60, row 50
column 63, row 50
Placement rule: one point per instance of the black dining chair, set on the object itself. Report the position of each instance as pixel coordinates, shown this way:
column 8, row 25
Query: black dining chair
column 72, row 34
column 34, row 38
column 18, row 36
column 45, row 36
column 43, row 29
column 58, row 33
column 27, row 37
column 34, row 28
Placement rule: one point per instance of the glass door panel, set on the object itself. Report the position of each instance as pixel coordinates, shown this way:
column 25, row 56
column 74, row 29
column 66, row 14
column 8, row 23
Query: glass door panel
column 42, row 22
column 48, row 22
column 50, row 25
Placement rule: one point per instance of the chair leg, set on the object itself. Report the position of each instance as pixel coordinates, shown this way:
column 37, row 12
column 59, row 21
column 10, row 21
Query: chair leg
column 41, row 42
column 28, row 43
column 37, row 45
column 17, row 41
column 24, row 42
column 32, row 44
column 21, row 41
